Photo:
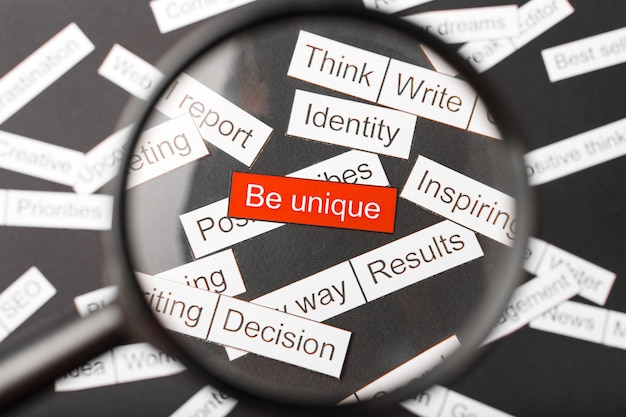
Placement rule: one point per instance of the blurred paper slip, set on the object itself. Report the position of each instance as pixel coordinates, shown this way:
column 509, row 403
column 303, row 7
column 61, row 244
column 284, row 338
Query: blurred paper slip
column 56, row 210
column 122, row 364
column 576, row 153
column 42, row 68
column 174, row 14
column 595, row 282
column 585, row 55
column 470, row 24
column 533, row 298
column 22, row 299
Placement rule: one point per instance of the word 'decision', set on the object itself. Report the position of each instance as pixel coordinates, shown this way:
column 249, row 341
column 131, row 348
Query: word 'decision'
column 228, row 321
column 313, row 202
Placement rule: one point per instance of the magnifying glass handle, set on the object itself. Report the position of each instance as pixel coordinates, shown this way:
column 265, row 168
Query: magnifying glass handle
column 42, row 361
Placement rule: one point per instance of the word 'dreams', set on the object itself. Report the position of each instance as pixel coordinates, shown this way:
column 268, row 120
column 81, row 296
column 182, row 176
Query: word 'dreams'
column 312, row 202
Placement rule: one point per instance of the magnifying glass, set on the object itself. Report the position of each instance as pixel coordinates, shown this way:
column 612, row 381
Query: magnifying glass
column 312, row 215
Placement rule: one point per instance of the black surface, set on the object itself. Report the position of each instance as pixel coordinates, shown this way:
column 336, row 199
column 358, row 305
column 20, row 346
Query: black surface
column 529, row 373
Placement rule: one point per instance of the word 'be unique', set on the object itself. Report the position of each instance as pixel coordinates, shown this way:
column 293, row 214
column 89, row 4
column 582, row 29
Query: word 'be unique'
column 262, row 197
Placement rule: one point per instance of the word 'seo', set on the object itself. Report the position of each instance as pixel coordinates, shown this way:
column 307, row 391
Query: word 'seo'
column 22, row 299
column 462, row 199
column 382, row 80
column 321, row 203
column 240, row 324
column 220, row 122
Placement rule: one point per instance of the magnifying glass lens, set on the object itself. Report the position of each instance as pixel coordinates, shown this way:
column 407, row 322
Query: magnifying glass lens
column 318, row 215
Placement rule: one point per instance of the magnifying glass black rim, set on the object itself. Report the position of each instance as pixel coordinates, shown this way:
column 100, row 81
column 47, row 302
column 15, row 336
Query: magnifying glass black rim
column 142, row 322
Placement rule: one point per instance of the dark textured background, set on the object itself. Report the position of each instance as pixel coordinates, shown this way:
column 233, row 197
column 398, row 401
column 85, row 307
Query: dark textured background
column 529, row 373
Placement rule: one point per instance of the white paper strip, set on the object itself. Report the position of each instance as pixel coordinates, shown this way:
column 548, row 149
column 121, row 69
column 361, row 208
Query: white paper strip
column 42, row 68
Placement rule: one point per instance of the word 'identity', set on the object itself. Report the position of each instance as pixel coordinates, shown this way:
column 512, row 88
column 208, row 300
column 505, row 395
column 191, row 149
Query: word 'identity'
column 351, row 124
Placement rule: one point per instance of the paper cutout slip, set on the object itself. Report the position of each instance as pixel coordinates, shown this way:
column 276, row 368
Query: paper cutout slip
column 312, row 202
